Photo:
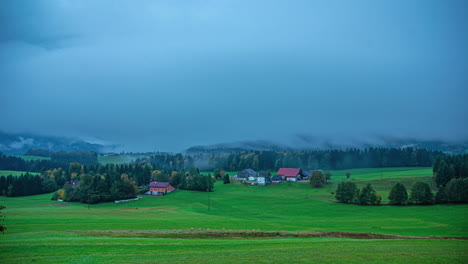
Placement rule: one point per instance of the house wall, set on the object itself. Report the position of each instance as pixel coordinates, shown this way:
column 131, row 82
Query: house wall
column 290, row 179
column 261, row 180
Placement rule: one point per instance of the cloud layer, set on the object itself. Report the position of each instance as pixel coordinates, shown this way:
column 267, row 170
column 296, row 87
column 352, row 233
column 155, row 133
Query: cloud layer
column 166, row 75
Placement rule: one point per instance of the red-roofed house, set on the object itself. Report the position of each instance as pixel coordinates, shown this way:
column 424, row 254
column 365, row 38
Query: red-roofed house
column 160, row 188
column 290, row 174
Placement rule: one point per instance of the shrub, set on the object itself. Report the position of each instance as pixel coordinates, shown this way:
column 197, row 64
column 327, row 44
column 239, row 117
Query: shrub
column 398, row 195
column 347, row 192
column 457, row 190
column 368, row 196
column 421, row 194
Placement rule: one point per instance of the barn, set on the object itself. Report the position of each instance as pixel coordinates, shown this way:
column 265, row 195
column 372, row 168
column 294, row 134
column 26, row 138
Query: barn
column 290, row 174
column 160, row 188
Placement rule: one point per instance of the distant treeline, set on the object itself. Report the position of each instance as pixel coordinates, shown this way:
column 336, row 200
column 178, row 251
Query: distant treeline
column 59, row 159
column 447, row 168
column 26, row 184
column 272, row 160
column 67, row 157
column 450, row 175
column 94, row 187
column 19, row 164
column 53, row 179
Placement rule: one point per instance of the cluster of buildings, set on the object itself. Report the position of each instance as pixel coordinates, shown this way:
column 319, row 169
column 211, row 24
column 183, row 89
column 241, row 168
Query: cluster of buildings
column 160, row 188
column 252, row 177
column 247, row 176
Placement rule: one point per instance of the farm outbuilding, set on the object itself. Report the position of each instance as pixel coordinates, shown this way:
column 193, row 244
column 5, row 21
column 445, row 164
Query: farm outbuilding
column 247, row 174
column 160, row 188
column 291, row 174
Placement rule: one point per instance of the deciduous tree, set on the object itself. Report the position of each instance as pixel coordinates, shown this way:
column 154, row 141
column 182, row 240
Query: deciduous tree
column 398, row 195
column 421, row 194
column 347, row 192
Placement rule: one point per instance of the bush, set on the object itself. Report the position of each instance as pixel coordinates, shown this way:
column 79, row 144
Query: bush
column 441, row 196
column 398, row 195
column 457, row 190
column 317, row 179
column 421, row 194
column 368, row 196
column 226, row 179
column 347, row 192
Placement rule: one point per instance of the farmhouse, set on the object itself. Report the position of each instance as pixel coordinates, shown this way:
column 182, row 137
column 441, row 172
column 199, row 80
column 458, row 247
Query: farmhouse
column 73, row 183
column 247, row 174
column 290, row 174
column 277, row 179
column 263, row 178
column 160, row 188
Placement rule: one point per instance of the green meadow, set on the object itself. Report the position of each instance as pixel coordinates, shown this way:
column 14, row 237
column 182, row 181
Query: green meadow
column 186, row 227
column 119, row 159
column 14, row 173
column 28, row 158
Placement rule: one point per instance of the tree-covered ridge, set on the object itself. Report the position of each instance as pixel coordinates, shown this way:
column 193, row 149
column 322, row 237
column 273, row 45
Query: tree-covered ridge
column 450, row 167
column 273, row 160
column 59, row 159
column 450, row 176
column 101, row 183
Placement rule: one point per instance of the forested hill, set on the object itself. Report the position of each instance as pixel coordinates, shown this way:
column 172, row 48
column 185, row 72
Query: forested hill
column 272, row 160
column 20, row 143
column 310, row 144
column 59, row 159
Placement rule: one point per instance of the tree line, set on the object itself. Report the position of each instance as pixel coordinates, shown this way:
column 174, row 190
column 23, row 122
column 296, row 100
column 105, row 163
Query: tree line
column 96, row 188
column 101, row 183
column 26, row 184
column 59, row 159
column 19, row 164
column 450, row 176
column 323, row 159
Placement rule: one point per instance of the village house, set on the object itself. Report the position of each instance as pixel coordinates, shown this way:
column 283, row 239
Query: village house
column 290, row 174
column 160, row 188
column 264, row 178
column 247, row 174
column 277, row 179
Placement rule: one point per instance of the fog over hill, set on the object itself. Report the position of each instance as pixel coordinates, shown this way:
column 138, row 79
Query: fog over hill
column 20, row 143
column 154, row 75
column 304, row 143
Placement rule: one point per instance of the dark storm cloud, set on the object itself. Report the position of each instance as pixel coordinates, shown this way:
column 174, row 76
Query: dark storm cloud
column 171, row 74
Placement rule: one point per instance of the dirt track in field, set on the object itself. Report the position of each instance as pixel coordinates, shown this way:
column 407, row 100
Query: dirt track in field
column 240, row 234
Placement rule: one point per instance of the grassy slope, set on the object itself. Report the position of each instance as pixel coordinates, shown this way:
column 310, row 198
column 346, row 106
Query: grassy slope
column 14, row 173
column 117, row 159
column 32, row 157
column 42, row 225
column 71, row 248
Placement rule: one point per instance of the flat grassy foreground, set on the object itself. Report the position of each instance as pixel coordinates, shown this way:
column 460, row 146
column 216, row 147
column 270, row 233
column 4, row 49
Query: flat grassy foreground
column 146, row 231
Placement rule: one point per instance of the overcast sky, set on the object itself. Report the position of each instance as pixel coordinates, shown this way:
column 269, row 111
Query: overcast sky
column 167, row 75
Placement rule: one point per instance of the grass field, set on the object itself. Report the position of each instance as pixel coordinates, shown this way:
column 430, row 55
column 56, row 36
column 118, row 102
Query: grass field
column 14, row 173
column 120, row 159
column 143, row 231
column 32, row 157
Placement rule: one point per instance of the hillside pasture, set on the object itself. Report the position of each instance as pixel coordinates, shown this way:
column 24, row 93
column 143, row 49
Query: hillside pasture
column 15, row 173
column 186, row 227
column 119, row 159
column 381, row 173
column 29, row 158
